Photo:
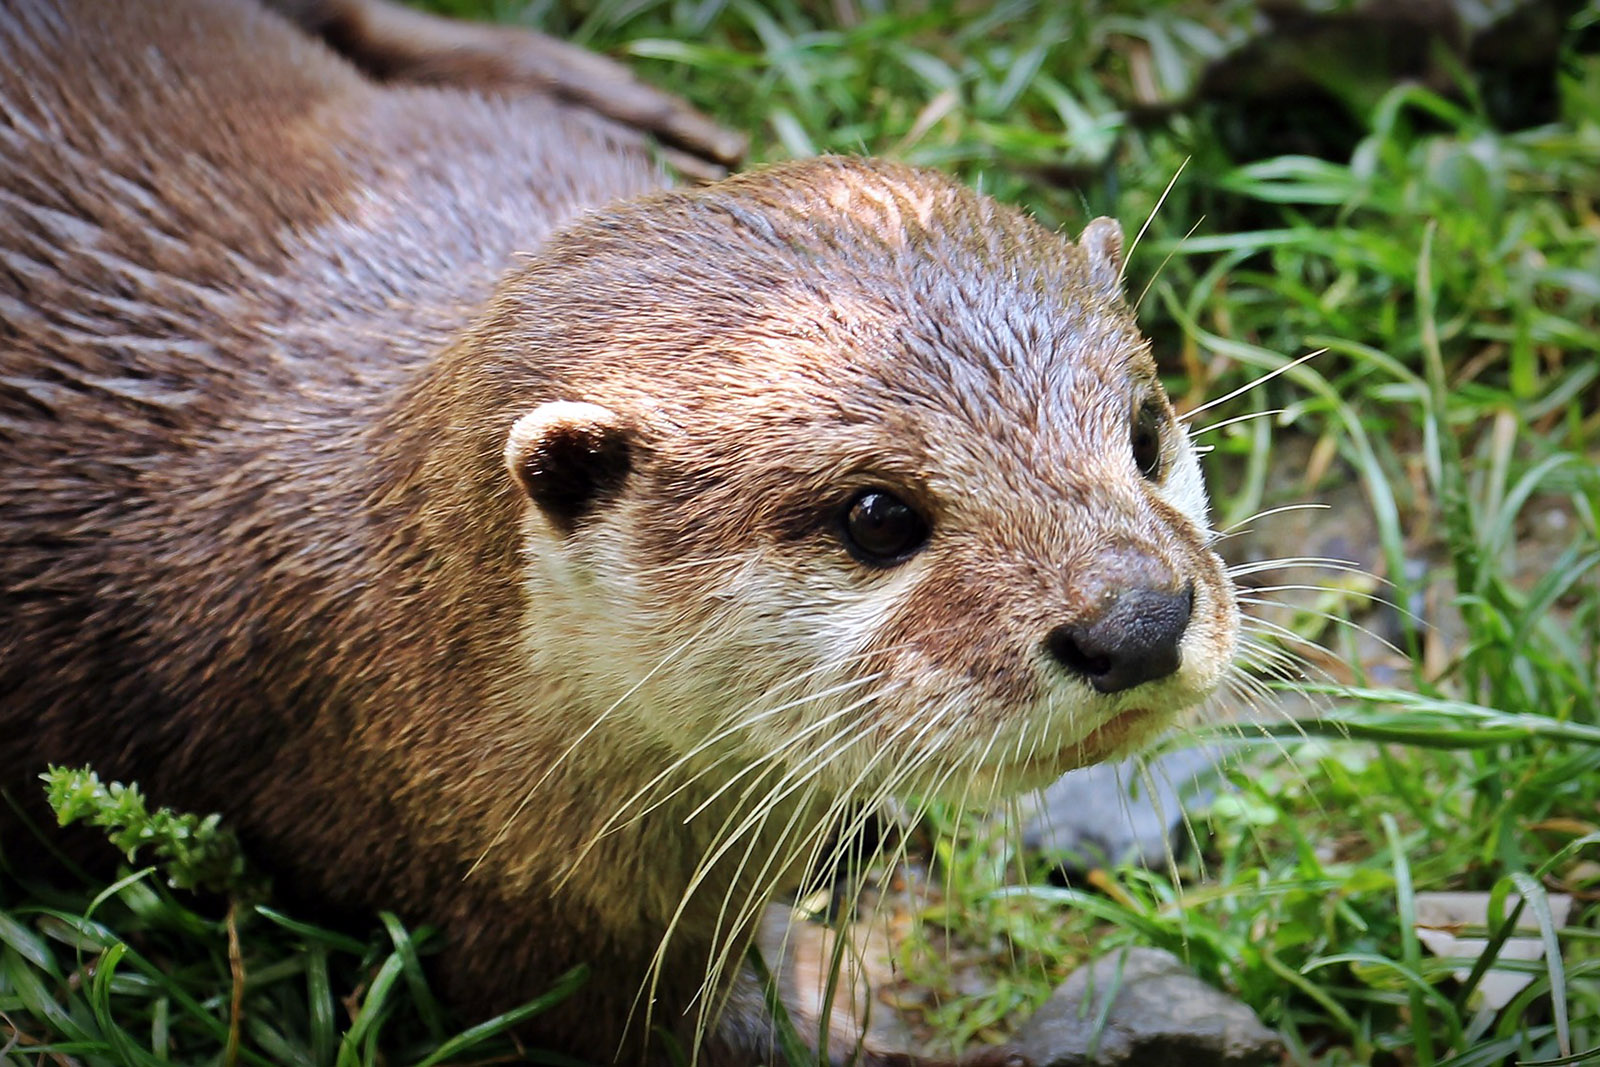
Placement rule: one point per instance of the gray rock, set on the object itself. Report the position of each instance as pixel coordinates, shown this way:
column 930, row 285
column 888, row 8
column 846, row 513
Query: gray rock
column 1144, row 1007
column 1115, row 813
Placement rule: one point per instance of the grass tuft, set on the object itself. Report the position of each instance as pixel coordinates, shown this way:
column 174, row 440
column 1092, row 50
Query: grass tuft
column 146, row 972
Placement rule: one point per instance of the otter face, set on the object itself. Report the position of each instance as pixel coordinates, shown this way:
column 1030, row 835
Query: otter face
column 887, row 492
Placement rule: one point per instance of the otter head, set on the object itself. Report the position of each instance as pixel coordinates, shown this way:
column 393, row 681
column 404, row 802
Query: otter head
column 841, row 467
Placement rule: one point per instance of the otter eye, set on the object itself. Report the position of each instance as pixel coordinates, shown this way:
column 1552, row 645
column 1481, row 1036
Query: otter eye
column 882, row 529
column 1147, row 439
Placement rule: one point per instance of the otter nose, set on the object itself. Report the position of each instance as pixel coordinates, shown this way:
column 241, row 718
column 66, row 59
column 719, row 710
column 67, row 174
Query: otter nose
column 1132, row 642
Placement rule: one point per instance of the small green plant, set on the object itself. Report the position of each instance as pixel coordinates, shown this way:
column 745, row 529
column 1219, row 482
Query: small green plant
column 140, row 973
column 193, row 852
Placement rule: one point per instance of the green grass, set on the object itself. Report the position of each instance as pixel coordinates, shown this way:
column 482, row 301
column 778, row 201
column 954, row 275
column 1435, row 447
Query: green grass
column 182, row 961
column 1450, row 269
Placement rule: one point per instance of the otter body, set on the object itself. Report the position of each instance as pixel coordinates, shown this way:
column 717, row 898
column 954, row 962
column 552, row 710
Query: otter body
column 409, row 475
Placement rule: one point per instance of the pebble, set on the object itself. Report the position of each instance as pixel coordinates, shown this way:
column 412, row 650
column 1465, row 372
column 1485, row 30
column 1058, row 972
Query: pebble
column 1115, row 813
column 1159, row 1015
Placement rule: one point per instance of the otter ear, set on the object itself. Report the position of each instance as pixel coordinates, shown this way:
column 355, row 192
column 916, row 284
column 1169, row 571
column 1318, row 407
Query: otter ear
column 1102, row 243
column 568, row 457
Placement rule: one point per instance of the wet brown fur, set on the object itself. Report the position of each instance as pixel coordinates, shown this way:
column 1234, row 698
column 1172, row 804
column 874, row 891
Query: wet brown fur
column 265, row 327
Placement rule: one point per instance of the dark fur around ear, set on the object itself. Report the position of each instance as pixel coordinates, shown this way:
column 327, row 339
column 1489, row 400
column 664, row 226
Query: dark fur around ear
column 569, row 457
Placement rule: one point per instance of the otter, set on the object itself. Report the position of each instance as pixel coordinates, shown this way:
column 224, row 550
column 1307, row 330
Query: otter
column 495, row 531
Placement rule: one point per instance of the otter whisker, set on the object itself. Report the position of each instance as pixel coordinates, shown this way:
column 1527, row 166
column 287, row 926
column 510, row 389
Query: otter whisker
column 961, row 801
column 741, row 723
column 1162, row 199
column 1348, row 566
column 827, row 824
column 1256, row 598
column 793, row 742
column 532, row 791
column 1238, row 684
column 729, row 832
column 727, row 935
column 1264, row 647
column 1242, row 525
column 821, row 759
column 1268, row 628
column 887, row 787
column 1255, row 592
column 1161, row 267
column 1213, row 427
column 1337, row 620
column 805, row 773
column 1145, row 779
column 739, row 720
column 624, row 815
column 1252, row 692
column 1253, row 383
column 1274, row 662
column 1280, row 661
column 924, row 799
column 1240, row 726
